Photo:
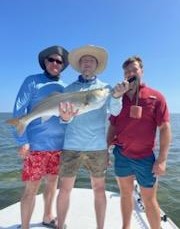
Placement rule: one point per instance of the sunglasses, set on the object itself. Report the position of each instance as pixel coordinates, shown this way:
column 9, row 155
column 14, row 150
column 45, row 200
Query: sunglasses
column 51, row 60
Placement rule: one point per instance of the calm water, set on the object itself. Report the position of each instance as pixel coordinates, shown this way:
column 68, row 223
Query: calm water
column 10, row 167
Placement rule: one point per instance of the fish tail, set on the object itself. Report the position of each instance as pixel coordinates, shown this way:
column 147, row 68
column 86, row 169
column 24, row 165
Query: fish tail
column 19, row 125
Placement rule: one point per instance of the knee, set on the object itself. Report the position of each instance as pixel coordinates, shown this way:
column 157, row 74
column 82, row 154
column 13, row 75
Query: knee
column 99, row 189
column 150, row 202
column 65, row 191
column 66, row 185
column 127, row 196
column 126, row 193
column 29, row 194
column 65, row 188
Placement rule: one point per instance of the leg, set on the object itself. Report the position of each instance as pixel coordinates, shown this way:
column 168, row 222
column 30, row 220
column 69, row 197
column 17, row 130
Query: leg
column 98, row 185
column 49, row 194
column 151, row 206
column 96, row 163
column 126, row 188
column 147, row 182
column 125, row 179
column 31, row 175
column 28, row 202
column 66, row 186
column 51, row 179
column 69, row 167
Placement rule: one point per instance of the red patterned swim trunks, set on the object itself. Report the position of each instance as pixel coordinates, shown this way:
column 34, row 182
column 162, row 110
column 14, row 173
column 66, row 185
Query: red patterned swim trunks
column 40, row 163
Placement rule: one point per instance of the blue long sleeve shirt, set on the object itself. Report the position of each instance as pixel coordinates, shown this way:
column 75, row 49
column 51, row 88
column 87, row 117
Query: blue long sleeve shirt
column 87, row 132
column 41, row 136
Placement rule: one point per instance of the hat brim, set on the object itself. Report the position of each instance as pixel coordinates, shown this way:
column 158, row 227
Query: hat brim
column 99, row 53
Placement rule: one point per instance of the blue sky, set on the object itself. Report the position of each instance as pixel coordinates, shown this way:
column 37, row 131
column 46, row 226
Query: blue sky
column 150, row 29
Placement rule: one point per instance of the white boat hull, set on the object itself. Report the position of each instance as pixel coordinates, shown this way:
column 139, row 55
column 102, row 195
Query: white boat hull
column 81, row 213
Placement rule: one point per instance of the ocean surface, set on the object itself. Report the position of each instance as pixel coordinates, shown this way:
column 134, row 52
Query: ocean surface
column 11, row 186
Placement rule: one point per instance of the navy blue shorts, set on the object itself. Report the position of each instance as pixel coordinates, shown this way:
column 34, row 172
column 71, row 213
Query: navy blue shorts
column 140, row 168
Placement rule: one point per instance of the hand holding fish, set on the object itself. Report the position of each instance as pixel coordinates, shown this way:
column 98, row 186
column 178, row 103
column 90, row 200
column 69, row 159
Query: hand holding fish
column 120, row 89
column 72, row 103
column 67, row 111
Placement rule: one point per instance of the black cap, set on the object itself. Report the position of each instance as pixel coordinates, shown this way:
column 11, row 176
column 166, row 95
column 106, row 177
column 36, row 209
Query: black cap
column 53, row 50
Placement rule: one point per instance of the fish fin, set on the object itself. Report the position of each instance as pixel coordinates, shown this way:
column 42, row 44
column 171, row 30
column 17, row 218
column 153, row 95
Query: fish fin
column 17, row 124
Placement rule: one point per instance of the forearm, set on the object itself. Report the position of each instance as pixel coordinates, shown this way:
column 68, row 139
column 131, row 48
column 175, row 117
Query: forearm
column 164, row 141
column 110, row 134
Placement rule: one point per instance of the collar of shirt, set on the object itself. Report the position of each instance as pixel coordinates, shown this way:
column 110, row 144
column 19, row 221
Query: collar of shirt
column 81, row 79
column 54, row 78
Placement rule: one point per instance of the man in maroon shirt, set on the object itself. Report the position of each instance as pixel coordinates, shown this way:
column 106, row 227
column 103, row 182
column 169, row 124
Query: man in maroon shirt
column 133, row 133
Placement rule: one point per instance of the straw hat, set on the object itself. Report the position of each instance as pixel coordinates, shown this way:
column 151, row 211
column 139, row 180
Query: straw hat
column 53, row 50
column 99, row 53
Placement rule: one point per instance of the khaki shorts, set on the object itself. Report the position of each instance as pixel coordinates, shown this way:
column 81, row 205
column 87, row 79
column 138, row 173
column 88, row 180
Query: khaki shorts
column 96, row 162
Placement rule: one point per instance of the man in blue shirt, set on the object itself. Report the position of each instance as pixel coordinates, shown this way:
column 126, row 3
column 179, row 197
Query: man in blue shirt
column 85, row 138
column 41, row 143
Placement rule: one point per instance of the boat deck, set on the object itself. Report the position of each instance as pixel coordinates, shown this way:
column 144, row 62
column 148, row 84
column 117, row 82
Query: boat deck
column 81, row 213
